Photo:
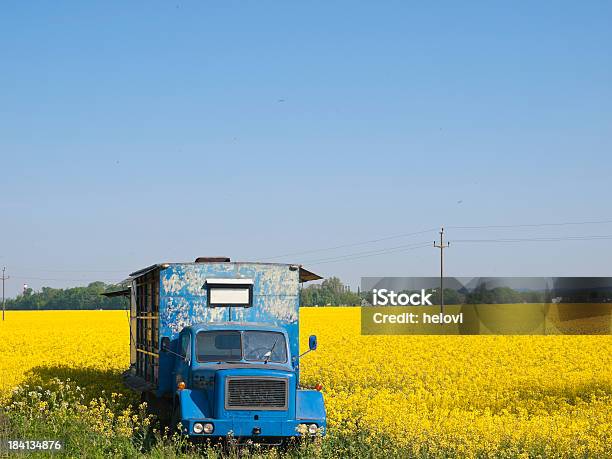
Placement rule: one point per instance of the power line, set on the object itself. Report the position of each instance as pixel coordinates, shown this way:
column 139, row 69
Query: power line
column 381, row 251
column 73, row 270
column 521, row 225
column 353, row 244
column 386, row 238
column 62, row 279
column 369, row 253
column 384, row 252
column 532, row 225
column 366, row 252
column 540, row 239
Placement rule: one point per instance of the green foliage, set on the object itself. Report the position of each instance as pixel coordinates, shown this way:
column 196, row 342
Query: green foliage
column 89, row 297
column 331, row 292
column 105, row 426
column 111, row 425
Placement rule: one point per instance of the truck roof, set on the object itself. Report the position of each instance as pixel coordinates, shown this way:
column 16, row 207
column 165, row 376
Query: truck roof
column 305, row 275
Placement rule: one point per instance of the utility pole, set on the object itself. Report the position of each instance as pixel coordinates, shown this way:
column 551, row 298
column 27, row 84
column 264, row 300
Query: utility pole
column 441, row 246
column 3, row 279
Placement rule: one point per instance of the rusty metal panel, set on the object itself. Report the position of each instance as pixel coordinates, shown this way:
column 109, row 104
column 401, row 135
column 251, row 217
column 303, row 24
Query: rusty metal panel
column 183, row 299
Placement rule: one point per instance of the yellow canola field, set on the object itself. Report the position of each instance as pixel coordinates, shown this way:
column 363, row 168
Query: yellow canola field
column 90, row 347
column 465, row 395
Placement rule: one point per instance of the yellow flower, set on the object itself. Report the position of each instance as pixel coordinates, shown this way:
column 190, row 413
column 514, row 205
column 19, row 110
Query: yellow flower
column 465, row 396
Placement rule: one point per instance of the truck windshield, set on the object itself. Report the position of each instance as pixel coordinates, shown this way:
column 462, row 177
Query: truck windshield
column 264, row 346
column 218, row 346
column 224, row 346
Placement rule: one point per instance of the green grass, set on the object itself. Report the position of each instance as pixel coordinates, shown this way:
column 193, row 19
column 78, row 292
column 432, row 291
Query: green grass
column 116, row 425
column 113, row 425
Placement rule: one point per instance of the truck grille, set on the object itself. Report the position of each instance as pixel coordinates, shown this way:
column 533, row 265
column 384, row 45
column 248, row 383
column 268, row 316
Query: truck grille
column 254, row 393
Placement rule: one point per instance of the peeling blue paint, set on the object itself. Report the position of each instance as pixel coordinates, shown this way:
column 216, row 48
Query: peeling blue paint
column 183, row 299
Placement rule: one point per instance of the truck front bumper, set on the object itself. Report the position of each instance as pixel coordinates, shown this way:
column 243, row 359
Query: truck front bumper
column 309, row 412
column 237, row 427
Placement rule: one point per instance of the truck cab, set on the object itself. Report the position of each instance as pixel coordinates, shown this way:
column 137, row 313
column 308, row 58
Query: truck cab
column 240, row 379
column 214, row 348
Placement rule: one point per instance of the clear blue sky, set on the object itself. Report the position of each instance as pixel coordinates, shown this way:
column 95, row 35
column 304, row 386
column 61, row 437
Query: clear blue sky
column 139, row 132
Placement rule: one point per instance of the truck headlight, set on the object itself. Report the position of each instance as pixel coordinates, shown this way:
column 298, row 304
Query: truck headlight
column 206, row 428
column 312, row 429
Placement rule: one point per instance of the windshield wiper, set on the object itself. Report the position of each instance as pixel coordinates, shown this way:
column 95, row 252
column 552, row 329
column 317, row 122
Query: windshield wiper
column 268, row 355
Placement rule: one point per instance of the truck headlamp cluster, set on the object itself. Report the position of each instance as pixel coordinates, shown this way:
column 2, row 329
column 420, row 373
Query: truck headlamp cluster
column 310, row 429
column 206, row 428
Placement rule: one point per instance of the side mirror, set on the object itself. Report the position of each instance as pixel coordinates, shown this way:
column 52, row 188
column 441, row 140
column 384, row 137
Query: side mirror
column 312, row 342
column 165, row 344
column 312, row 345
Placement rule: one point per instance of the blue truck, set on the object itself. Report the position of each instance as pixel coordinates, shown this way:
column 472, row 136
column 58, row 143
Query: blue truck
column 215, row 349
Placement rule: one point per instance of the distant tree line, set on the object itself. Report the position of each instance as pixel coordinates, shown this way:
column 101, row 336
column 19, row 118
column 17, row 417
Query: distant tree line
column 331, row 292
column 89, row 297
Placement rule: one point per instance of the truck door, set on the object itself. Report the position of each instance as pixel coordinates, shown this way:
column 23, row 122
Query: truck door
column 183, row 364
